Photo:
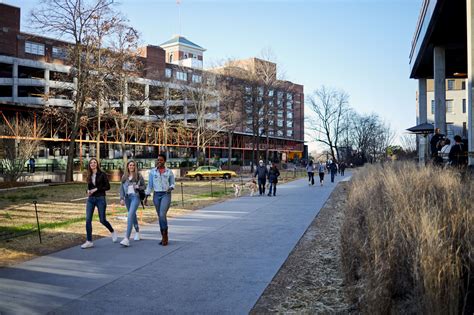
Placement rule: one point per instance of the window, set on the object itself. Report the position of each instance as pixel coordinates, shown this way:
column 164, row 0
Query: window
column 450, row 129
column 289, row 105
column 280, row 133
column 280, row 123
column 171, row 57
column 59, row 52
column 289, row 115
column 183, row 76
column 464, row 129
column 450, row 84
column 168, row 72
column 449, row 106
column 432, row 107
column 270, row 93
column 289, row 133
column 248, row 90
column 289, row 123
column 34, row 48
column 463, row 105
column 289, row 96
column 463, row 85
column 197, row 78
column 185, row 56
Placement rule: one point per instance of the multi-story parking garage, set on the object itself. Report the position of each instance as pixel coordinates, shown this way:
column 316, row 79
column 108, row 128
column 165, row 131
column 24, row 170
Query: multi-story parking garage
column 34, row 84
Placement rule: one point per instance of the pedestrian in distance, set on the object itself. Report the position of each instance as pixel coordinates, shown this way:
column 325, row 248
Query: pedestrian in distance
column 342, row 168
column 32, row 163
column 333, row 170
column 161, row 181
column 435, row 143
column 321, row 171
column 310, row 170
column 261, row 173
column 132, row 184
column 97, row 185
column 273, row 175
column 458, row 154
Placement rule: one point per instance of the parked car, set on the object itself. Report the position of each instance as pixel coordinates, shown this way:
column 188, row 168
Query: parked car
column 210, row 171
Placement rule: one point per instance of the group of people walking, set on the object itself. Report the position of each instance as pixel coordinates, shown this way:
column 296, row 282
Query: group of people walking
column 331, row 166
column 133, row 191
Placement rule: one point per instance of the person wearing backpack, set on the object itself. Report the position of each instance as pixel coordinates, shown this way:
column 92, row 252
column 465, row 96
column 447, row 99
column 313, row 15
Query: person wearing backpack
column 132, row 184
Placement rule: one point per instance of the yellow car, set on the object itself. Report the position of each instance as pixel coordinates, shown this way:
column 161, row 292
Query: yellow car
column 210, row 171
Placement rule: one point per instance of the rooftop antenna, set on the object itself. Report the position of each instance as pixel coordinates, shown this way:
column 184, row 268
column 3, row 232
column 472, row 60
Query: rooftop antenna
column 178, row 2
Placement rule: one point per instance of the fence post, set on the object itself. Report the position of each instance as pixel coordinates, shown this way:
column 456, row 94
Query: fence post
column 212, row 194
column 182, row 195
column 225, row 186
column 37, row 221
column 294, row 173
column 241, row 181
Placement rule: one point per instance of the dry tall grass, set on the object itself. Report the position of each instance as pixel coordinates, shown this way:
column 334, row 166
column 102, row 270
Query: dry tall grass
column 408, row 240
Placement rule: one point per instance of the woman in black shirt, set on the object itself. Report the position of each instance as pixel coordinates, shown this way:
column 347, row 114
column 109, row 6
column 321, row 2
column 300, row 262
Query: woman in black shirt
column 97, row 185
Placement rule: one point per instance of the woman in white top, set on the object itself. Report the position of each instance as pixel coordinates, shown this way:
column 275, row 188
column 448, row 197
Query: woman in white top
column 444, row 153
column 132, row 182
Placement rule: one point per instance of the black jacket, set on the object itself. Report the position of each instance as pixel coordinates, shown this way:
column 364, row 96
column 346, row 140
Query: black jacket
column 273, row 174
column 261, row 172
column 101, row 183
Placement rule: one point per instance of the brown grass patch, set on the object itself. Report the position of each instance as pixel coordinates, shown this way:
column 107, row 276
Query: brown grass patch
column 408, row 240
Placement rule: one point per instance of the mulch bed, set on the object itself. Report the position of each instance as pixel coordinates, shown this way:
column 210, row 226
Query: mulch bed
column 311, row 281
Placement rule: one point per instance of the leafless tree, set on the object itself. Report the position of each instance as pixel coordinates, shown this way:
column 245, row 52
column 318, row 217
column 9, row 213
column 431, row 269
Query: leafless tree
column 329, row 108
column 76, row 20
column 19, row 150
column 203, row 98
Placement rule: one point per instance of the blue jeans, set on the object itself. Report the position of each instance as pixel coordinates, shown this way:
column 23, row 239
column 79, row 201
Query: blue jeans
column 101, row 205
column 162, row 202
column 132, row 202
column 274, row 186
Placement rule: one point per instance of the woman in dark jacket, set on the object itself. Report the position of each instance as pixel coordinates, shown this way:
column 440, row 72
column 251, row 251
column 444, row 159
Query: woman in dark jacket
column 273, row 174
column 97, row 185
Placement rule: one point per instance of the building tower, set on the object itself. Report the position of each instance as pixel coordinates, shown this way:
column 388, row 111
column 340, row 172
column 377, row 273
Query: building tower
column 181, row 51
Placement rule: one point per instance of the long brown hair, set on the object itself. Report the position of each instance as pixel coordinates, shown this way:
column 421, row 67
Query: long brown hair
column 126, row 173
column 89, row 170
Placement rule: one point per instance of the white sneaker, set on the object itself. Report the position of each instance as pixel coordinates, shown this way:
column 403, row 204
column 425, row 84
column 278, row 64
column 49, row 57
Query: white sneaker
column 125, row 242
column 137, row 236
column 114, row 237
column 87, row 244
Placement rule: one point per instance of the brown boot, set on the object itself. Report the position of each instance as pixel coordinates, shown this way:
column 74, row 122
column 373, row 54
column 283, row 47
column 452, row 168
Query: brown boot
column 164, row 237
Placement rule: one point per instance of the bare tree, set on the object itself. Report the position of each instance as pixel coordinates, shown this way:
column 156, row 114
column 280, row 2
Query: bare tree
column 76, row 20
column 329, row 108
column 19, row 150
column 124, row 96
column 203, row 98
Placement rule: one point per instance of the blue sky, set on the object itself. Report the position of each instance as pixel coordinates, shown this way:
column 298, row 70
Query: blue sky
column 360, row 46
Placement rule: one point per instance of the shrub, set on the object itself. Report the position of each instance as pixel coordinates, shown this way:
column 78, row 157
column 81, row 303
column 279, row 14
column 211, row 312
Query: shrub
column 407, row 240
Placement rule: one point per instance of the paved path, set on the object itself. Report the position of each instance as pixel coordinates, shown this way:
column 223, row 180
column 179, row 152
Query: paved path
column 219, row 261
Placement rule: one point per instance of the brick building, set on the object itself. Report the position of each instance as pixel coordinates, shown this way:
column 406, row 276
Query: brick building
column 33, row 69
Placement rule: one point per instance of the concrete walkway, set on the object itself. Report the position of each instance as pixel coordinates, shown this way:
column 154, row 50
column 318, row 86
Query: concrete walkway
column 219, row 260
